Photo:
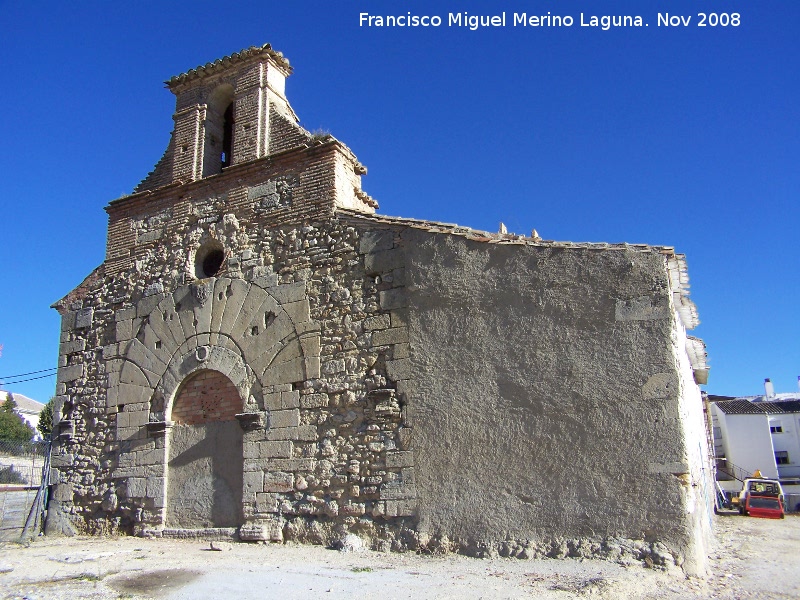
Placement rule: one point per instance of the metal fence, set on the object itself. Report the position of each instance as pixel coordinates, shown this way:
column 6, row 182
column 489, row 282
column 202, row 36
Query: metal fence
column 24, row 481
column 21, row 462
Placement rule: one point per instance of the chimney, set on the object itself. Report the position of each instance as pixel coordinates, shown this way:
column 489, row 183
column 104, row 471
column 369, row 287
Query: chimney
column 769, row 389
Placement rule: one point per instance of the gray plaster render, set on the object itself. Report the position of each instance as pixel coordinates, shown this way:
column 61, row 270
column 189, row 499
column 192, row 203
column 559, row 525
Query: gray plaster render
column 205, row 483
column 559, row 410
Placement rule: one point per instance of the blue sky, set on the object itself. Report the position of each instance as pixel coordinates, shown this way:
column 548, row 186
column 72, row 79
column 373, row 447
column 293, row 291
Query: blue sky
column 680, row 136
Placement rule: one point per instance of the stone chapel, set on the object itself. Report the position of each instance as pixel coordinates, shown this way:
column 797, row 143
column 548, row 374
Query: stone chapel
column 261, row 356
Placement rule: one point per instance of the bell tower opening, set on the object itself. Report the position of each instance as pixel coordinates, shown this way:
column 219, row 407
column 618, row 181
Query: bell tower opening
column 227, row 136
column 220, row 116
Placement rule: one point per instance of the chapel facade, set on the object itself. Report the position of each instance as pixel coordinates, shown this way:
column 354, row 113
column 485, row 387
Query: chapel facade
column 262, row 356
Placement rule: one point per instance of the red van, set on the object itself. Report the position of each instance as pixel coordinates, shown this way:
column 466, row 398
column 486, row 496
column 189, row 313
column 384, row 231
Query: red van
column 767, row 507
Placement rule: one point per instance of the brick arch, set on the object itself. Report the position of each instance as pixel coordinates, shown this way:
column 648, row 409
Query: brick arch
column 191, row 360
column 204, row 397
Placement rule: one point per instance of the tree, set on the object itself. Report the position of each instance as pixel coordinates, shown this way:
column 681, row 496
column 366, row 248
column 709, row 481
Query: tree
column 12, row 426
column 45, row 425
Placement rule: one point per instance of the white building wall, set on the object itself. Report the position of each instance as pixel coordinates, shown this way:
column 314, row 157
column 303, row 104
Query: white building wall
column 747, row 442
column 787, row 440
column 700, row 494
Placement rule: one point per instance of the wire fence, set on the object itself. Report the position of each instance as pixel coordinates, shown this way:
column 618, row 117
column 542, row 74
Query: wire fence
column 24, row 485
column 21, row 462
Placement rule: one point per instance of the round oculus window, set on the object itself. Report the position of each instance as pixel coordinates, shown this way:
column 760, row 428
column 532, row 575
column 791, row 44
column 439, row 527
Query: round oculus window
column 209, row 260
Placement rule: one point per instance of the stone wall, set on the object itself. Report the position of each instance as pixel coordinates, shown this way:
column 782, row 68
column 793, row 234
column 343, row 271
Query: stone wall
column 307, row 344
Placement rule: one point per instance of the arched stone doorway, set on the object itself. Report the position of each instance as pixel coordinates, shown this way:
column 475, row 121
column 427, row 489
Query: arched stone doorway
column 204, row 454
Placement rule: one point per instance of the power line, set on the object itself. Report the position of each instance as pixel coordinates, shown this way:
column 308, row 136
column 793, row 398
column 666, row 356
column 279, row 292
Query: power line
column 24, row 374
column 30, row 379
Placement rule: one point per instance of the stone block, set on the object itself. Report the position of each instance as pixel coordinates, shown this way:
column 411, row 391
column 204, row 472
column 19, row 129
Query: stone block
column 71, row 373
column 137, row 487
column 290, row 399
column 404, row 436
column 125, row 314
column 263, row 277
column 142, row 356
column 132, row 393
column 282, row 434
column 308, row 327
column 396, row 335
column 409, row 475
column 276, row 449
column 399, row 277
column 291, row 465
column 312, row 367
column 286, row 372
column 284, row 418
column 266, row 502
column 331, row 367
column 307, row 433
column 383, row 261
column 63, row 492
column 393, row 299
column 138, row 418
column 251, row 450
column 375, row 241
column 279, row 482
column 273, row 401
column 68, row 321
column 146, row 305
column 252, row 532
column 298, row 311
column 73, row 346
column 377, row 322
column 399, row 459
column 398, row 492
column 401, row 508
column 155, row 486
column 290, row 292
column 62, row 460
column 84, row 318
column 407, row 415
column 252, row 483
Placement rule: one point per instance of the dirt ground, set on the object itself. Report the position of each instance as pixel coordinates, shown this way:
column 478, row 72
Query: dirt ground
column 753, row 558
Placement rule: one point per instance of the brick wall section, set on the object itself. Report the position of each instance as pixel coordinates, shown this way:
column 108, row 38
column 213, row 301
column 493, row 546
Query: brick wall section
column 283, row 134
column 312, row 172
column 208, row 396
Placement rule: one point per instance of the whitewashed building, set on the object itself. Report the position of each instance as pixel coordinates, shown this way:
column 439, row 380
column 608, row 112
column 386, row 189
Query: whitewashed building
column 27, row 408
column 758, row 433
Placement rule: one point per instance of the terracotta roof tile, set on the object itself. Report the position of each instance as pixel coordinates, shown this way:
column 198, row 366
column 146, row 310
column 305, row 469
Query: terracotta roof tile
column 247, row 53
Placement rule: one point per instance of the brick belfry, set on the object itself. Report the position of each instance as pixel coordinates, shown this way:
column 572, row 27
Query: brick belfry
column 262, row 356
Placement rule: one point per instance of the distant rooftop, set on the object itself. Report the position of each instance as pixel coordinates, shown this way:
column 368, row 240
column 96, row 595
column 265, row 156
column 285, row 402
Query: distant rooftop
column 744, row 406
column 24, row 404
